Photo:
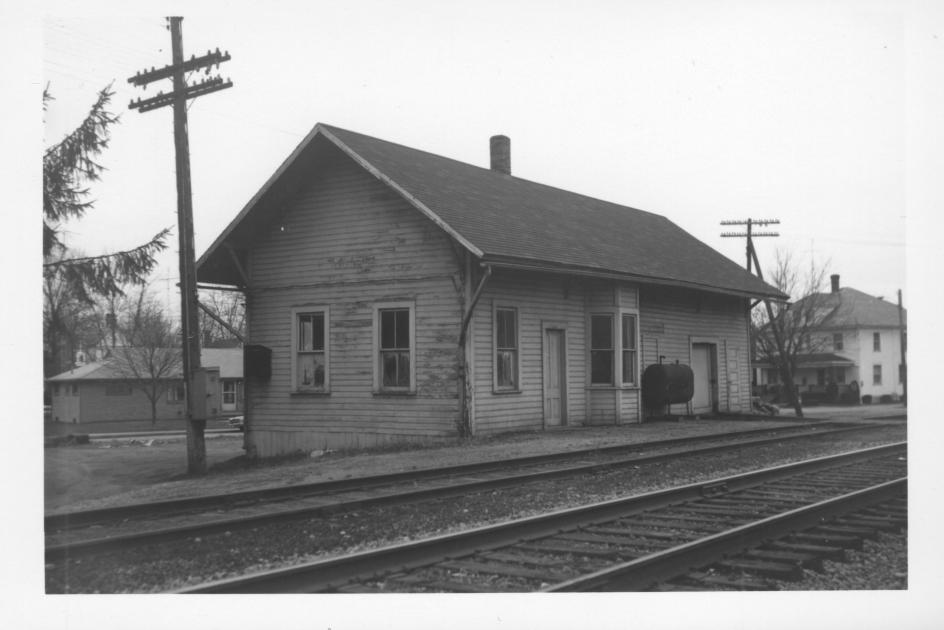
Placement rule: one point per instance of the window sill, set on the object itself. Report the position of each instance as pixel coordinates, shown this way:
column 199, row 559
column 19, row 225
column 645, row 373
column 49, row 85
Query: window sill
column 394, row 394
column 502, row 392
column 309, row 394
column 614, row 387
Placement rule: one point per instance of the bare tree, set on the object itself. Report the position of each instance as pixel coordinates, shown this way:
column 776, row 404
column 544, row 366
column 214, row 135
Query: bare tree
column 229, row 316
column 150, row 359
column 797, row 323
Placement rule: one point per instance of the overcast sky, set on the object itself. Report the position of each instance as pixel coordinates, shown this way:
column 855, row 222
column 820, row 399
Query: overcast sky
column 701, row 112
column 824, row 115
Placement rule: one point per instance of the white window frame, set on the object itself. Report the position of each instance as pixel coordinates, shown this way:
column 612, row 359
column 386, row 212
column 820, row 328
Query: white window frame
column 297, row 312
column 876, row 342
column 616, row 318
column 635, row 349
column 223, row 387
column 877, row 372
column 496, row 387
column 838, row 341
column 176, row 393
column 379, row 387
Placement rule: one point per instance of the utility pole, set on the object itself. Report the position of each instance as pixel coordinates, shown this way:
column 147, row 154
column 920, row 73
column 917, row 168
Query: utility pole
column 182, row 91
column 785, row 374
column 750, row 234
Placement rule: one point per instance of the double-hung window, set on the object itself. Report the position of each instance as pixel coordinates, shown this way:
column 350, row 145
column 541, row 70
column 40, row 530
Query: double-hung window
column 877, row 374
column 177, row 393
column 877, row 342
column 629, row 350
column 229, row 393
column 506, row 349
column 310, row 350
column 395, row 347
column 837, row 341
column 601, row 350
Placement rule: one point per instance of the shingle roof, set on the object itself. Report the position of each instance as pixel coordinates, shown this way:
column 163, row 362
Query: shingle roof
column 508, row 220
column 818, row 359
column 855, row 309
column 229, row 360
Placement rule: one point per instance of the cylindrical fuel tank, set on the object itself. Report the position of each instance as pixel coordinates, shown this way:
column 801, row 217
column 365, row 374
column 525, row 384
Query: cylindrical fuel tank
column 667, row 384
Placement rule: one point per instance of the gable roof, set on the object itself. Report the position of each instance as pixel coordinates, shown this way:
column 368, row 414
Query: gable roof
column 503, row 220
column 854, row 309
column 229, row 360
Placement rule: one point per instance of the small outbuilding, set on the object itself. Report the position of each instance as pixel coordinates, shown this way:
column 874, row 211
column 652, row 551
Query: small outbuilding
column 393, row 295
column 102, row 391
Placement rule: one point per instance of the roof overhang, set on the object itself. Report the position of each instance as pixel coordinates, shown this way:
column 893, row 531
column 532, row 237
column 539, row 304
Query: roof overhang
column 217, row 265
column 606, row 274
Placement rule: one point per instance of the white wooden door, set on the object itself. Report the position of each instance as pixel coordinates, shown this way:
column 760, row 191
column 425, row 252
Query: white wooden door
column 555, row 397
column 703, row 399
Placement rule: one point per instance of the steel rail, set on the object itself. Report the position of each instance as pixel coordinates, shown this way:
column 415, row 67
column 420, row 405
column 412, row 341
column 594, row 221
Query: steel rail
column 325, row 575
column 68, row 520
column 59, row 552
column 644, row 572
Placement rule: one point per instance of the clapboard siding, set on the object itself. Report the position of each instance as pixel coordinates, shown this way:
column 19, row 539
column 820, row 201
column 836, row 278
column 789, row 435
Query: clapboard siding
column 345, row 243
column 539, row 299
column 670, row 319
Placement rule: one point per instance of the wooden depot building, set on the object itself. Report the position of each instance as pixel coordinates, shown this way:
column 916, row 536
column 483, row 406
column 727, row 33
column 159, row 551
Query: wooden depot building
column 397, row 295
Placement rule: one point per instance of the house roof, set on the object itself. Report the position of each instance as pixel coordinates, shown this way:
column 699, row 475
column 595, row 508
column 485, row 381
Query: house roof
column 503, row 220
column 814, row 360
column 854, row 309
column 229, row 360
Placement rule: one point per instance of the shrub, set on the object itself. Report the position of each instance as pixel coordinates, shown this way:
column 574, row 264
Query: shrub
column 885, row 398
column 867, row 399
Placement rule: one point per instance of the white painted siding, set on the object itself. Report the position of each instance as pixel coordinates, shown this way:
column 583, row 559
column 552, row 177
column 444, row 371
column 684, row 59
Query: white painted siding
column 671, row 319
column 539, row 299
column 346, row 242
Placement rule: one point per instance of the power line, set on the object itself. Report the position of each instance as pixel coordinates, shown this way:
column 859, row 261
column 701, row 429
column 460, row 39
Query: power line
column 181, row 92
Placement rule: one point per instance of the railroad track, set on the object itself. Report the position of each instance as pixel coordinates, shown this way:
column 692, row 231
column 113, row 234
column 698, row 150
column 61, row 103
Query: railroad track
column 637, row 543
column 254, row 508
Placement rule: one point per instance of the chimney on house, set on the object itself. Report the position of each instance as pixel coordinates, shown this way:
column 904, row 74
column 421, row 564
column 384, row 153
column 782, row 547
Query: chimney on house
column 501, row 154
column 835, row 281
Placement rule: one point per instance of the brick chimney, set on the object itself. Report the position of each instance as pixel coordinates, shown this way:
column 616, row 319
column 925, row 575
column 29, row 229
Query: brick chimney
column 501, row 154
column 835, row 282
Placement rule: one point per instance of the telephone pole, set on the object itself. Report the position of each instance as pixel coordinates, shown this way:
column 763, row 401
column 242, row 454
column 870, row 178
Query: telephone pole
column 182, row 92
column 752, row 258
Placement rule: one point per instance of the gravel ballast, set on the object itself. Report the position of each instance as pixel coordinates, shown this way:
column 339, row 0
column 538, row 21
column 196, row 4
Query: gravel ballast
column 179, row 564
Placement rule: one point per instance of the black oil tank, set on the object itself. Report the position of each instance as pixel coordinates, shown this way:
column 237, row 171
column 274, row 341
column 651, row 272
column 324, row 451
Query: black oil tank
column 667, row 384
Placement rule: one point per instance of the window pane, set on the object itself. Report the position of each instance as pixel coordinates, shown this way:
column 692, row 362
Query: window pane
column 311, row 370
column 403, row 369
column 396, row 369
column 403, row 328
column 505, row 364
column 388, row 329
column 505, row 335
column 304, row 332
column 389, row 367
column 629, row 366
column 601, row 367
column 629, row 332
column 317, row 332
column 601, row 332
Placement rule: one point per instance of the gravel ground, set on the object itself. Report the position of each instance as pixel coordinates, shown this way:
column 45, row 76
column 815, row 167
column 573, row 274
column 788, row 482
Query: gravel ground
column 881, row 565
column 175, row 565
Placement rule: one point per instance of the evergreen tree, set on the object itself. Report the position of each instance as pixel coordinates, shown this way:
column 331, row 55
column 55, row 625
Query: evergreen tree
column 68, row 168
